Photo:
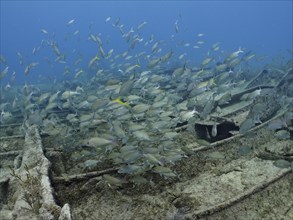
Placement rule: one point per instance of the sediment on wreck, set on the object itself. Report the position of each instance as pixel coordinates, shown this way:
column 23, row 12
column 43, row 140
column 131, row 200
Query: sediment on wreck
column 31, row 183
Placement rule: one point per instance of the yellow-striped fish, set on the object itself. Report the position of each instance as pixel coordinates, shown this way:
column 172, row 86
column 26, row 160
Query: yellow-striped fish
column 119, row 101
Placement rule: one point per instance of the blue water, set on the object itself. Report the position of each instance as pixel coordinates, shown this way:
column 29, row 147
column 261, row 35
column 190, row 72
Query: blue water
column 264, row 27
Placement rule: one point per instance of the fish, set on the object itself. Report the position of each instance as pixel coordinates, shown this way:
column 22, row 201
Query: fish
column 164, row 171
column 139, row 179
column 283, row 164
column 54, row 97
column 93, row 38
column 29, row 67
column 2, row 59
column 277, row 123
column 176, row 26
column 141, row 135
column 4, row 73
column 76, row 32
column 124, row 54
column 4, row 105
column 99, row 142
column 70, row 22
column 140, row 108
column 166, row 57
column 249, row 57
column 154, row 62
column 102, row 52
column 179, row 71
column 221, row 67
column 14, row 103
column 216, row 48
column 233, row 63
column 128, row 34
column 215, row 45
column 84, row 105
column 129, row 69
column 119, row 101
column 44, row 97
column 188, row 150
column 246, row 125
column 20, row 58
column 6, row 117
column 182, row 56
column 78, row 73
column 119, row 131
column 206, row 61
column 93, row 60
column 159, row 104
column 110, row 52
column 7, row 86
column 136, row 101
column 128, row 57
column 113, row 181
column 130, row 156
column 250, row 96
column 134, row 41
column 107, row 19
column 44, row 31
column 170, row 135
column 282, row 134
column 126, row 87
column 129, row 169
column 155, row 47
column 233, row 55
column 140, row 26
column 54, row 46
column 208, row 108
column 68, row 94
column 51, row 106
column 214, row 130
column 79, row 60
column 116, row 22
column 223, row 99
column 152, row 160
column 186, row 115
column 36, row 119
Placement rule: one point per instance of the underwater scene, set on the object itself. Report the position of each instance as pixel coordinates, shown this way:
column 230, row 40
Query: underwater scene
column 146, row 110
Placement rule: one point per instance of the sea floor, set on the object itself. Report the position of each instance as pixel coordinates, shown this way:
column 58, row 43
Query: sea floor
column 237, row 179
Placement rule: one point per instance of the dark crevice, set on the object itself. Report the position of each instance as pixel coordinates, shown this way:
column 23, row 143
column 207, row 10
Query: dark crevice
column 223, row 131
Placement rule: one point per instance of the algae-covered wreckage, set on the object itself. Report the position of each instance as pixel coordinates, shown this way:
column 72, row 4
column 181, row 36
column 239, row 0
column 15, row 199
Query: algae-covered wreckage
column 212, row 155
